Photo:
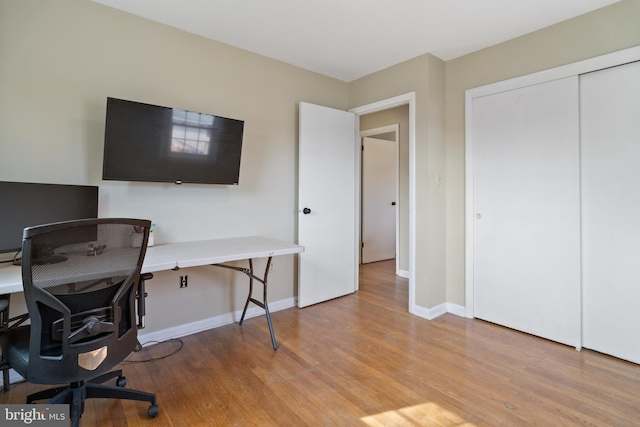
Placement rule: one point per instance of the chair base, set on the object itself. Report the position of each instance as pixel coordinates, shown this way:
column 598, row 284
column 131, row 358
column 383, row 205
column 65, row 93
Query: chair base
column 75, row 394
column 4, row 367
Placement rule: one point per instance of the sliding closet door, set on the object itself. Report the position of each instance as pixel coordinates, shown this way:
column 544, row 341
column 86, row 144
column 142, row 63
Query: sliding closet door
column 526, row 230
column 610, row 148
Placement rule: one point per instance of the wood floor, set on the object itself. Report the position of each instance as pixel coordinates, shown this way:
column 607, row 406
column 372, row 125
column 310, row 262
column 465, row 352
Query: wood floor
column 362, row 360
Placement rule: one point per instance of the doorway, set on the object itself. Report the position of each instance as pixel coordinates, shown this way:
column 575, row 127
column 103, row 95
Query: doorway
column 407, row 255
column 380, row 188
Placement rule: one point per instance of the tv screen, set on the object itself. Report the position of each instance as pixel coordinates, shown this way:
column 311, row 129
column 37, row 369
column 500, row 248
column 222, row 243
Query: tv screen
column 28, row 204
column 151, row 143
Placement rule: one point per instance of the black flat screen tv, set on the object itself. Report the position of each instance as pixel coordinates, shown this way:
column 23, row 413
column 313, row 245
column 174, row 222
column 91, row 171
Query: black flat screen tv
column 25, row 204
column 151, row 143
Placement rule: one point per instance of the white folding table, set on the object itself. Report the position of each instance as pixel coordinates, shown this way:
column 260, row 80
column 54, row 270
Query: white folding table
column 174, row 256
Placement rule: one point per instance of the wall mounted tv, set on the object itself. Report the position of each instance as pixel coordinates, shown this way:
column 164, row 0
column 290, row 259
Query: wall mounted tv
column 26, row 204
column 151, row 143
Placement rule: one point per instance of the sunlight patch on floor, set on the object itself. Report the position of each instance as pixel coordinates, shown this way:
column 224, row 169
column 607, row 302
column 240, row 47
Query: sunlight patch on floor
column 423, row 414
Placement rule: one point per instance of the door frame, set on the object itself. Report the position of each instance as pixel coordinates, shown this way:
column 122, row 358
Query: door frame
column 395, row 128
column 385, row 104
column 585, row 66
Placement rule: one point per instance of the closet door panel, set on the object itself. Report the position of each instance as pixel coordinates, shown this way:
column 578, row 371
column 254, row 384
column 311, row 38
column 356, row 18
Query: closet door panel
column 610, row 163
column 526, row 237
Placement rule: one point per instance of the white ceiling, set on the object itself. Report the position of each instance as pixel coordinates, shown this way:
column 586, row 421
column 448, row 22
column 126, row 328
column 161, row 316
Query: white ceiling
column 348, row 39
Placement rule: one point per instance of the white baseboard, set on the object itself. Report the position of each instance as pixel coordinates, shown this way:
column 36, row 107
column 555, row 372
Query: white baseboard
column 210, row 323
column 458, row 310
column 439, row 310
column 402, row 273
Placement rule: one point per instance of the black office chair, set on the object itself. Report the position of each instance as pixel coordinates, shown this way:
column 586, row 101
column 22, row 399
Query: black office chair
column 4, row 327
column 5, row 324
column 80, row 281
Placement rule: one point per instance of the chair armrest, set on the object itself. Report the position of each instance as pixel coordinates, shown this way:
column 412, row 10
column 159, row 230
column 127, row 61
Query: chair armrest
column 141, row 297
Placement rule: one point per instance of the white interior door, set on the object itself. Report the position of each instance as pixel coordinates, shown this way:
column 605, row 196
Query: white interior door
column 526, row 230
column 610, row 149
column 379, row 194
column 327, row 204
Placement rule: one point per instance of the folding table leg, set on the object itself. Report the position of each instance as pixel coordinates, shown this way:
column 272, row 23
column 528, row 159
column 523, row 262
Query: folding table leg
column 263, row 303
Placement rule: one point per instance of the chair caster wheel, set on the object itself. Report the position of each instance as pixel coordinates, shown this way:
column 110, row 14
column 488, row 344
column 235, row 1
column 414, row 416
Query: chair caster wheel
column 153, row 410
column 121, row 381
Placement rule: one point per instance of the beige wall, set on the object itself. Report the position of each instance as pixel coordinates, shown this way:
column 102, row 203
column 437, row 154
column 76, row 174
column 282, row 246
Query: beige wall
column 60, row 60
column 400, row 116
column 423, row 75
column 439, row 89
column 606, row 30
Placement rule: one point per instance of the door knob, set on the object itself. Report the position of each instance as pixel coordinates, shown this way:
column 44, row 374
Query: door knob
column 306, row 211
column 393, row 203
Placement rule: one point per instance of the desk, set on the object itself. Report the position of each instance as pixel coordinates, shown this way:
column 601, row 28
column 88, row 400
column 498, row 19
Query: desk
column 174, row 256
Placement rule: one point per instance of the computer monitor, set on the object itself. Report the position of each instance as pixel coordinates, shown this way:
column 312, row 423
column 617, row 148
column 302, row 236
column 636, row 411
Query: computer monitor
column 27, row 204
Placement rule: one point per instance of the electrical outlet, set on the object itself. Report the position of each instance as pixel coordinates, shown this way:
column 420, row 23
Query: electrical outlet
column 184, row 281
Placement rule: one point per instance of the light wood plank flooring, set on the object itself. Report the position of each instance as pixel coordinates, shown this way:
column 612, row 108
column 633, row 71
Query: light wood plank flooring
column 362, row 360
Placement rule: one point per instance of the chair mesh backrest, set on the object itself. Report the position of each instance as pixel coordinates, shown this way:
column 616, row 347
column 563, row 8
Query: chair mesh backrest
column 83, row 259
column 75, row 271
